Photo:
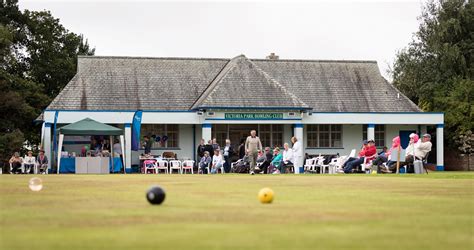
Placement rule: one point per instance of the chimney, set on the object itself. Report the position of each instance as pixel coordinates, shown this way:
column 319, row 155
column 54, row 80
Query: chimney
column 272, row 56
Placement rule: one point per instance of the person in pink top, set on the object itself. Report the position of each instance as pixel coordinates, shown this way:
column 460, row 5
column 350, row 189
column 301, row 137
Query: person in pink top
column 381, row 158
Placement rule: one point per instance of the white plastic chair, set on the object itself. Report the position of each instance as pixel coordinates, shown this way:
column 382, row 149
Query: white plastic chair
column 161, row 165
column 337, row 163
column 309, row 164
column 188, row 165
column 175, row 165
column 146, row 167
column 352, row 154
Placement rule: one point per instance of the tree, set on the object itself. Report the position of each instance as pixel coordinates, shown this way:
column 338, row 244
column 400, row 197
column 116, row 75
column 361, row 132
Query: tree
column 38, row 57
column 436, row 69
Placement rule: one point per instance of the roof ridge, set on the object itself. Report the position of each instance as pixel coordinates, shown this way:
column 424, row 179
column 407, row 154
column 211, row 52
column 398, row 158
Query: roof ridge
column 278, row 84
column 151, row 57
column 315, row 60
column 228, row 67
column 210, row 86
column 221, row 58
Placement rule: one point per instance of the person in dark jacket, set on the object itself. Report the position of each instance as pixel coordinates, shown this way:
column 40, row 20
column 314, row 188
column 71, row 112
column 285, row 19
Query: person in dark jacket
column 228, row 152
column 242, row 152
column 268, row 159
column 208, row 147
column 42, row 162
column 148, row 143
column 201, row 148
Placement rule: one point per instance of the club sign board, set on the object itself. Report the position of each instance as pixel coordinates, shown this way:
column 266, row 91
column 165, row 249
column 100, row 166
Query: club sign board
column 253, row 116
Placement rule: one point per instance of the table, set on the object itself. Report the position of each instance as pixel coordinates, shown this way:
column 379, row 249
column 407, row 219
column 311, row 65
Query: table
column 68, row 165
column 92, row 165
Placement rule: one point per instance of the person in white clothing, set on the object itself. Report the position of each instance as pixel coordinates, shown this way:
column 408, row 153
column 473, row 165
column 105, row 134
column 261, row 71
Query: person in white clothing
column 117, row 149
column 287, row 159
column 29, row 163
column 217, row 161
column 298, row 156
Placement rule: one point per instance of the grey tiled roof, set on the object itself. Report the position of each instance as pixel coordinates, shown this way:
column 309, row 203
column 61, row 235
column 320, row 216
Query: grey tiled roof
column 255, row 89
column 131, row 83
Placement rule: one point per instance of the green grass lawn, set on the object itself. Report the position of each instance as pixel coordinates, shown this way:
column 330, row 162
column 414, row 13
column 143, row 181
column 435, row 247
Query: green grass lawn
column 432, row 211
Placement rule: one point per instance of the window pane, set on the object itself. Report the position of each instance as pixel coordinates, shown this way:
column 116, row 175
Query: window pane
column 379, row 135
column 336, row 135
column 323, row 139
column 172, row 133
column 364, row 132
column 265, row 138
column 312, row 134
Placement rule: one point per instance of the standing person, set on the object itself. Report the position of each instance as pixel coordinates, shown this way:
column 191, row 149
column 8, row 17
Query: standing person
column 242, row 149
column 208, row 147
column 118, row 152
column 252, row 146
column 297, row 154
column 215, row 145
column 147, row 144
column 42, row 162
column 29, row 163
column 16, row 162
column 228, row 153
column 201, row 148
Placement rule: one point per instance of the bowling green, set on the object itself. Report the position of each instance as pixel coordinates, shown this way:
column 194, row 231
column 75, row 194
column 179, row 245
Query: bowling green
column 434, row 211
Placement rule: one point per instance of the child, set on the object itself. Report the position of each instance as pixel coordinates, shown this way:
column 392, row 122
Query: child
column 217, row 161
column 205, row 160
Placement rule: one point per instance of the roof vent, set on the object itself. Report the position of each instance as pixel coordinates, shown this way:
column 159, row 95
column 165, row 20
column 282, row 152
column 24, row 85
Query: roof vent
column 273, row 56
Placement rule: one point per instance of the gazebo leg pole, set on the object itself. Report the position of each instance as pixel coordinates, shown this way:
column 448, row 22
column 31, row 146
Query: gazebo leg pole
column 60, row 147
column 111, row 138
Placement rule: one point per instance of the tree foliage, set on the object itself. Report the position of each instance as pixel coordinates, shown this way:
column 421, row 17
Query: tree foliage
column 38, row 57
column 436, row 69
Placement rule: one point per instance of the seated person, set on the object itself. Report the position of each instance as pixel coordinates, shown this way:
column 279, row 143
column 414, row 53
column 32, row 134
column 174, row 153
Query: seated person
column 204, row 162
column 367, row 153
column 16, row 162
column 29, row 163
column 287, row 158
column 420, row 149
column 384, row 155
column 276, row 162
column 268, row 159
column 42, row 162
column 217, row 161
column 417, row 147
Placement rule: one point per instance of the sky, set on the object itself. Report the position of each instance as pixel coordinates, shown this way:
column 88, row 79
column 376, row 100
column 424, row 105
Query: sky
column 329, row 30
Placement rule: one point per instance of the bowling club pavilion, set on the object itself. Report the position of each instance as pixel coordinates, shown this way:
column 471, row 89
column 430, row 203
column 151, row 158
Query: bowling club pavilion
column 330, row 105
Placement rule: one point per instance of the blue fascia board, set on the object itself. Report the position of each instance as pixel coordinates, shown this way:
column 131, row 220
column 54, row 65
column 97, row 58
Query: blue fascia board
column 256, row 108
column 268, row 119
column 131, row 110
column 389, row 113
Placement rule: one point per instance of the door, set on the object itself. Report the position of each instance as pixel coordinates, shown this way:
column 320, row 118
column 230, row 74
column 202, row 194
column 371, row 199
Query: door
column 405, row 137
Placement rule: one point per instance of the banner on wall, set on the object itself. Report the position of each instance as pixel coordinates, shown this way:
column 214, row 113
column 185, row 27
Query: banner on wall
column 136, row 127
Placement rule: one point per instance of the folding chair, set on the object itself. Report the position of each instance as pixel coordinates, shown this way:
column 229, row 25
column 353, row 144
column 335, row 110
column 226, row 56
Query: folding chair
column 188, row 165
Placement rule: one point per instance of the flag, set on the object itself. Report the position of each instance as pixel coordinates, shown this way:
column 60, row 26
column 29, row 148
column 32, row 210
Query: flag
column 136, row 127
